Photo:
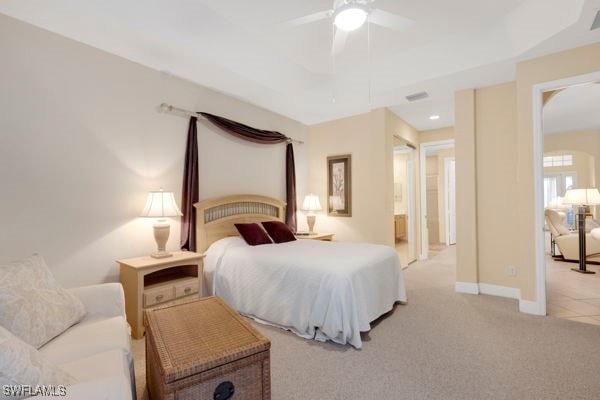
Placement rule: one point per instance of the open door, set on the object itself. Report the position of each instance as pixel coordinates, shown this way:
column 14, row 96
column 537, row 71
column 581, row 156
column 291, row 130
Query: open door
column 404, row 202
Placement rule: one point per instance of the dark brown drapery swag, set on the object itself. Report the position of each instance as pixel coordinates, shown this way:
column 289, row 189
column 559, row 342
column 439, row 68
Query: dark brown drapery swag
column 290, row 187
column 189, row 194
column 244, row 132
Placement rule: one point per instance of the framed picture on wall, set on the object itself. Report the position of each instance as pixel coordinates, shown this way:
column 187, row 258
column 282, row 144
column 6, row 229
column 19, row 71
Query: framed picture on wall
column 339, row 186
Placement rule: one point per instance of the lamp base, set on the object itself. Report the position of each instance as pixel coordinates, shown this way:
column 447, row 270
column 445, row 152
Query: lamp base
column 161, row 254
column 583, row 271
column 161, row 235
column 310, row 221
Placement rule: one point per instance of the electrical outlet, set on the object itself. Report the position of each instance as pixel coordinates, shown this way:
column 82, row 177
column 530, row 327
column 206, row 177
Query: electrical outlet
column 511, row 270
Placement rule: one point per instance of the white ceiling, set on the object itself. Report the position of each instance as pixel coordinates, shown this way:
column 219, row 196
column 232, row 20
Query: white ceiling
column 241, row 48
column 576, row 108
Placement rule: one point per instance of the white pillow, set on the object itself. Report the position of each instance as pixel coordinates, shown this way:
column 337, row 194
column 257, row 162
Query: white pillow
column 22, row 365
column 34, row 307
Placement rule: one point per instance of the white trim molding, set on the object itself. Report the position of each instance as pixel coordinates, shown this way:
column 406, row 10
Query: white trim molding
column 525, row 306
column 466, row 287
column 531, row 307
column 502, row 291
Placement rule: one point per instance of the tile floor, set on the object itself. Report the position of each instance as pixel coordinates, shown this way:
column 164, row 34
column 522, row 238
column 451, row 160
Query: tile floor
column 572, row 295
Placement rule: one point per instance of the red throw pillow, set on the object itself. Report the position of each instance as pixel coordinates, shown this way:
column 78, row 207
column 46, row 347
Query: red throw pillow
column 253, row 234
column 279, row 232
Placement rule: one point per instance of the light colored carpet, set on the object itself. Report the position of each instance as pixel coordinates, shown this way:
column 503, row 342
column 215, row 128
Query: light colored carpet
column 441, row 345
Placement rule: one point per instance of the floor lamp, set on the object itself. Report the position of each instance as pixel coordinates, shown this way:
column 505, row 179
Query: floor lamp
column 582, row 198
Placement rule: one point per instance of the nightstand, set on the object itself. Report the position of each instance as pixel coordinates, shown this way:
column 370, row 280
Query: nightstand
column 149, row 282
column 328, row 237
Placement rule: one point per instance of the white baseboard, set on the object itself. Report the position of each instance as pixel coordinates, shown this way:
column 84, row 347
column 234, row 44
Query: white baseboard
column 466, row 287
column 525, row 306
column 502, row 291
column 532, row 307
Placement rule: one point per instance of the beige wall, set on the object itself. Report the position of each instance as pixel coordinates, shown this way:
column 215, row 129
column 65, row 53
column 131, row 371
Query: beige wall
column 466, row 187
column 583, row 166
column 495, row 115
column 434, row 135
column 495, row 198
column 369, row 138
column 584, row 141
column 82, row 142
column 362, row 136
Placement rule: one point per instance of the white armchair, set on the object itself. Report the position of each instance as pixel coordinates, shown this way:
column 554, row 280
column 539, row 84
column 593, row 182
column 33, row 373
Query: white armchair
column 97, row 350
column 567, row 241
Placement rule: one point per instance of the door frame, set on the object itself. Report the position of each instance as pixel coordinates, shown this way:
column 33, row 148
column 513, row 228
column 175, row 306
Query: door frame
column 424, row 148
column 538, row 306
column 447, row 161
column 410, row 190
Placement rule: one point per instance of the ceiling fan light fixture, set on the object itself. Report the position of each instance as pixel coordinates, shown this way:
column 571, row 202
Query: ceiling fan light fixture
column 350, row 16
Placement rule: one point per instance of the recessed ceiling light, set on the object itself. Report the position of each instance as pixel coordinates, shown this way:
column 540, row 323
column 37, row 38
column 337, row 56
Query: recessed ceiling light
column 434, row 117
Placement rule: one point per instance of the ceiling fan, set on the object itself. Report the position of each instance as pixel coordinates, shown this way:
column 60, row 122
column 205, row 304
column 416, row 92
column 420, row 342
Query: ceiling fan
column 349, row 15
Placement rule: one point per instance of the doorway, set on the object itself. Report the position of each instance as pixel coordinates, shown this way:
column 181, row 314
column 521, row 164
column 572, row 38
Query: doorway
column 404, row 201
column 438, row 198
column 548, row 186
column 450, row 199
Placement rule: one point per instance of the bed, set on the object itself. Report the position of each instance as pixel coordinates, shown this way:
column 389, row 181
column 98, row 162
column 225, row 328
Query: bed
column 316, row 289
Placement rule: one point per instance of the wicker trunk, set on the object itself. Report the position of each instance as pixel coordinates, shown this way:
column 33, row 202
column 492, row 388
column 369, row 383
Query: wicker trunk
column 205, row 350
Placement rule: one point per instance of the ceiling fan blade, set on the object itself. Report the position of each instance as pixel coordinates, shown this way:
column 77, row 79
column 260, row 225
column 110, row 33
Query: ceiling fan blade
column 307, row 19
column 389, row 20
column 339, row 41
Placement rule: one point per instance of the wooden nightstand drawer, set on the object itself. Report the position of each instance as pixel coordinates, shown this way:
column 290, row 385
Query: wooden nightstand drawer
column 187, row 287
column 150, row 282
column 159, row 295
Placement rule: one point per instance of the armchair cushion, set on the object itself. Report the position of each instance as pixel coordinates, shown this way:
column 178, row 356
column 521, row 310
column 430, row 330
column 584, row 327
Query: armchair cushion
column 569, row 246
column 102, row 300
column 110, row 368
column 89, row 337
column 21, row 364
column 34, row 306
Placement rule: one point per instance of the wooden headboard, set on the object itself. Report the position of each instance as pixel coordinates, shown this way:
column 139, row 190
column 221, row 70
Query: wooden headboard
column 215, row 218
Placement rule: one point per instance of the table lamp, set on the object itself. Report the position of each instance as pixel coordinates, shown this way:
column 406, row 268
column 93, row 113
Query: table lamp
column 311, row 204
column 582, row 198
column 160, row 205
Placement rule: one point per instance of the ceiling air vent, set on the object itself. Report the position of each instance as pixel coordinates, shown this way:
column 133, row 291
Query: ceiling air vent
column 417, row 96
column 596, row 23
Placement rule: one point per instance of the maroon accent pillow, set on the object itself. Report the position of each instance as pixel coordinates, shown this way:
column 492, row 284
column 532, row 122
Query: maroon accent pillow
column 253, row 234
column 279, row 232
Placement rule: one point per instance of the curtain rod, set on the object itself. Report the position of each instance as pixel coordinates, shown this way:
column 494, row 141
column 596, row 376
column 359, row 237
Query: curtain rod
column 164, row 107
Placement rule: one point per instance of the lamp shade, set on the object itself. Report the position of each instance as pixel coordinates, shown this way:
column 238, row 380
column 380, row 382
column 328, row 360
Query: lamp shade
column 311, row 203
column 160, row 204
column 582, row 197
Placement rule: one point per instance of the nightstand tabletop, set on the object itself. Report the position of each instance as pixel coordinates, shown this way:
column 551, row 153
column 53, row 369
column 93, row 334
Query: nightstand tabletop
column 316, row 236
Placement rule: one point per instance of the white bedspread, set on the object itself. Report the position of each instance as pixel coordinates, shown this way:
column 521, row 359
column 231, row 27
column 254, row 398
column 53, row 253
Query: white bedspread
column 325, row 290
